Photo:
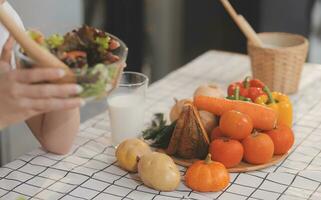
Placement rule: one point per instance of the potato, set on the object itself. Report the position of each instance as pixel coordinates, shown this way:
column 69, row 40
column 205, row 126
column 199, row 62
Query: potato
column 158, row 171
column 129, row 152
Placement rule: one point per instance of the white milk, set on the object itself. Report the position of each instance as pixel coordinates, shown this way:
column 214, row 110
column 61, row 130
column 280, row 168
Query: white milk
column 126, row 113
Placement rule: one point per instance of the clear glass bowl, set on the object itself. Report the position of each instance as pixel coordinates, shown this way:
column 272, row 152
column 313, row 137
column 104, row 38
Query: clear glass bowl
column 93, row 89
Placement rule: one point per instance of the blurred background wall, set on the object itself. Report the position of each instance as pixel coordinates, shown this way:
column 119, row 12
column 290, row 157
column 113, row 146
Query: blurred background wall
column 162, row 35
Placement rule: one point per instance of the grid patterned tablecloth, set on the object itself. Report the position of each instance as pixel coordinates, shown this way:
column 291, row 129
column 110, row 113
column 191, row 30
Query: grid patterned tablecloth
column 90, row 170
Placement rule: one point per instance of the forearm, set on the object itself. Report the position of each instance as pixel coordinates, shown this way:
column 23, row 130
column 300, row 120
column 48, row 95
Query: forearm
column 56, row 130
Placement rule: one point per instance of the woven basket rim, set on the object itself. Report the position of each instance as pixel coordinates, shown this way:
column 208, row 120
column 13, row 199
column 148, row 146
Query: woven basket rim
column 304, row 41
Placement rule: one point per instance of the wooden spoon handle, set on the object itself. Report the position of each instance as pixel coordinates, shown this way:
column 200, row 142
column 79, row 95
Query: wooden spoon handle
column 42, row 57
column 228, row 7
column 243, row 25
column 248, row 31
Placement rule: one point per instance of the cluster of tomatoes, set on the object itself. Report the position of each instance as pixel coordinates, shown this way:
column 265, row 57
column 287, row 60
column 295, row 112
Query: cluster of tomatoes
column 235, row 140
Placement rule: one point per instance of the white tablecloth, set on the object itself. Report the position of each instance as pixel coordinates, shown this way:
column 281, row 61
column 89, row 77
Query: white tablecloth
column 90, row 170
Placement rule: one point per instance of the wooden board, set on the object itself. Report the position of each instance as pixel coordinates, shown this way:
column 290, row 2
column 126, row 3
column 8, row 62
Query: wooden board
column 242, row 167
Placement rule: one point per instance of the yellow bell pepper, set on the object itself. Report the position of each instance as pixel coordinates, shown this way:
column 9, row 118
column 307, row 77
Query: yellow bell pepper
column 278, row 102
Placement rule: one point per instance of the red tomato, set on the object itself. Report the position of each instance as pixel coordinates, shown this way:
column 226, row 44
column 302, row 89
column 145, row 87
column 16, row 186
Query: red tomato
column 256, row 83
column 216, row 133
column 236, row 125
column 226, row 151
column 283, row 139
column 258, row 148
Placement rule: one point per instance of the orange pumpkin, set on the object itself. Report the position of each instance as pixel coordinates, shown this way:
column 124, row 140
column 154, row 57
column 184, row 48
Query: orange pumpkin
column 227, row 151
column 258, row 148
column 283, row 139
column 207, row 176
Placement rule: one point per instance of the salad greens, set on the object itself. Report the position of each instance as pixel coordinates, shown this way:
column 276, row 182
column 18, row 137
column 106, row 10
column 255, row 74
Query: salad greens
column 102, row 74
column 89, row 52
column 55, row 41
column 103, row 43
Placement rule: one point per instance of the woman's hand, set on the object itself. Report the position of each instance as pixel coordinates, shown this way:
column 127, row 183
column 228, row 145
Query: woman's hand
column 21, row 98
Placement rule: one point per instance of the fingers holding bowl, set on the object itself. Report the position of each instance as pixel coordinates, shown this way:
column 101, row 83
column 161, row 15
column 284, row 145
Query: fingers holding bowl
column 7, row 50
column 4, row 67
column 41, row 91
column 38, row 75
column 53, row 104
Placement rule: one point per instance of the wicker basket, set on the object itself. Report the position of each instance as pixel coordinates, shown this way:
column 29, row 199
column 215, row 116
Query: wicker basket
column 279, row 63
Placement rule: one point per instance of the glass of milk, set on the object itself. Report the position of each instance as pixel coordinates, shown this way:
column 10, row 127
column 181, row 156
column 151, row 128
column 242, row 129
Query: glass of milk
column 126, row 106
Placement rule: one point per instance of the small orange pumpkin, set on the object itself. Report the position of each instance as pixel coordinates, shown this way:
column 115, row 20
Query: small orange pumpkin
column 207, row 176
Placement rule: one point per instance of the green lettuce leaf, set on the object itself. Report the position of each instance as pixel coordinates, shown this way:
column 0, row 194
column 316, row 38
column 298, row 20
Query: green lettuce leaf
column 103, row 43
column 98, row 87
column 55, row 41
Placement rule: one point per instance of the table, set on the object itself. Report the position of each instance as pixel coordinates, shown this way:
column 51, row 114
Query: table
column 90, row 170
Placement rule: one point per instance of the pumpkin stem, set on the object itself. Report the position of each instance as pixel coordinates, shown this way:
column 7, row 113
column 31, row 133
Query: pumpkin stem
column 208, row 159
column 175, row 99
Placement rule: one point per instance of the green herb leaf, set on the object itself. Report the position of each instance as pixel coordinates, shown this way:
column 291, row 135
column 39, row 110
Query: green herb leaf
column 157, row 124
column 159, row 132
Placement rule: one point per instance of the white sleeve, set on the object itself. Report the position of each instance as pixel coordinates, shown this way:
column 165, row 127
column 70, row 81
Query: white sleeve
column 3, row 31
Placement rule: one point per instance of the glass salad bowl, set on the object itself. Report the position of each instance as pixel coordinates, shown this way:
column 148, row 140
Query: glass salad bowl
column 96, row 58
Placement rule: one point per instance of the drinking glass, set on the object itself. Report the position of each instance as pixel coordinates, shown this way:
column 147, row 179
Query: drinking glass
column 126, row 106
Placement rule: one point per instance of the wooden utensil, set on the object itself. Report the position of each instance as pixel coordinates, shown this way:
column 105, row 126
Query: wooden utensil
column 42, row 57
column 242, row 23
